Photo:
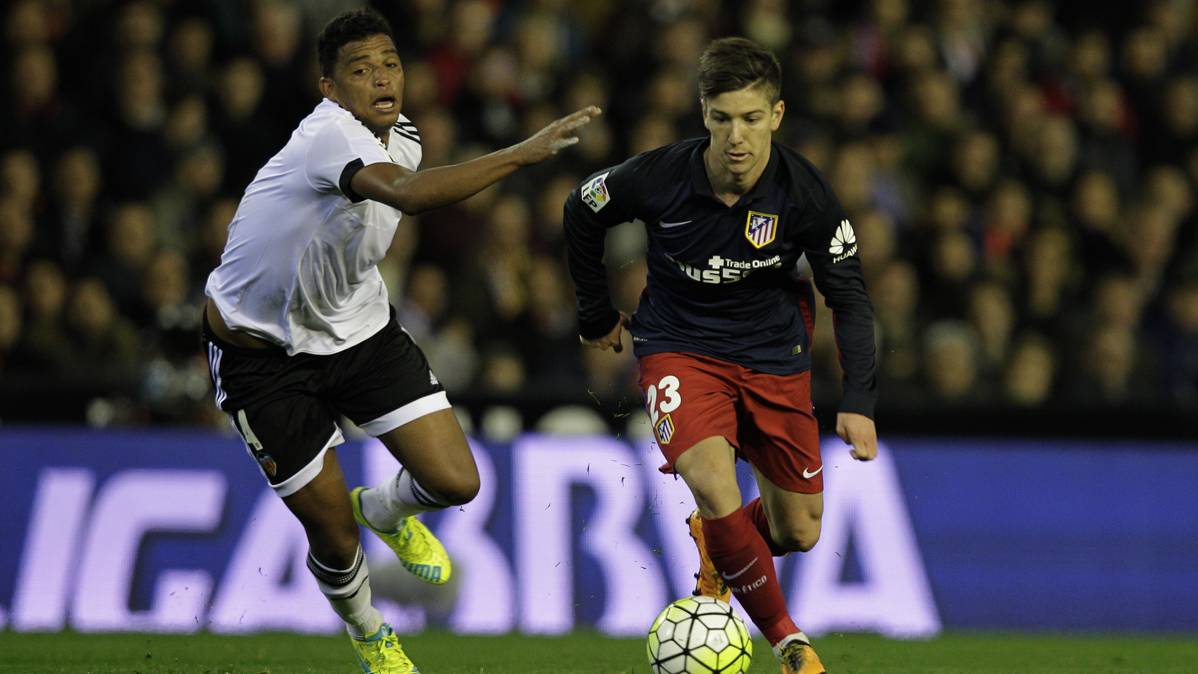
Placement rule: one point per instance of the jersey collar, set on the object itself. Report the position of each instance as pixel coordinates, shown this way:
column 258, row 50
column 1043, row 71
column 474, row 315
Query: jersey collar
column 702, row 186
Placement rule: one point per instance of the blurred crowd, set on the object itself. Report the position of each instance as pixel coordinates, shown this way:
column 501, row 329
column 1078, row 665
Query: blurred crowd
column 1021, row 177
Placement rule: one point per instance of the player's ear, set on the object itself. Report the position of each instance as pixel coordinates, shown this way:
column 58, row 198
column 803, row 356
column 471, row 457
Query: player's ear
column 327, row 88
column 703, row 110
column 776, row 114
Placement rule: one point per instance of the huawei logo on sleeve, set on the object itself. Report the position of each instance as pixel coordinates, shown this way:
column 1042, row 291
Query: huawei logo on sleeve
column 844, row 242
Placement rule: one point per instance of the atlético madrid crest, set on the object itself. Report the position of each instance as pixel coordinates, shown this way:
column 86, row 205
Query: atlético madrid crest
column 665, row 429
column 761, row 228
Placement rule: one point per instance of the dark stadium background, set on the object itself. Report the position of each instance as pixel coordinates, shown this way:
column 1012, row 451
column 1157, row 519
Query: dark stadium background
column 1022, row 178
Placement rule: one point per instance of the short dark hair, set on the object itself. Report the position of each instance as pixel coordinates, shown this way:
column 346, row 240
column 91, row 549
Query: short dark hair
column 733, row 63
column 346, row 27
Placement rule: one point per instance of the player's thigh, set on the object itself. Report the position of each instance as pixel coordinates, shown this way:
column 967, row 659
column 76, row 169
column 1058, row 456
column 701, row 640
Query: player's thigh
column 386, row 387
column 689, row 398
column 795, row 518
column 779, row 432
column 284, row 424
column 709, row 469
column 434, row 448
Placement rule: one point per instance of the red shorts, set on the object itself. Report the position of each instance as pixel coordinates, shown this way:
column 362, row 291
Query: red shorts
column 767, row 418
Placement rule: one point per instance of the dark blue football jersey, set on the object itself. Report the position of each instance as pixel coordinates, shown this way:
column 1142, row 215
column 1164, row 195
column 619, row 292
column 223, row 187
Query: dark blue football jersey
column 722, row 279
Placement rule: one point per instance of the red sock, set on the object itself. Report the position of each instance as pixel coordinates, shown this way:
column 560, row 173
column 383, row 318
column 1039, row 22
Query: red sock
column 737, row 550
column 757, row 515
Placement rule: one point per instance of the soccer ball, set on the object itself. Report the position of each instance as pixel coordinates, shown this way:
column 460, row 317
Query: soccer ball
column 699, row 635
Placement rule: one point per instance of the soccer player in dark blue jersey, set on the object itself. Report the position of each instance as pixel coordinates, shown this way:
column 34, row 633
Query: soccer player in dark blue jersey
column 723, row 331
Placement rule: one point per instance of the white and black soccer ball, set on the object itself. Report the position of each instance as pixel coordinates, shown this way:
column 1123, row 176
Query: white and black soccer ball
column 699, row 635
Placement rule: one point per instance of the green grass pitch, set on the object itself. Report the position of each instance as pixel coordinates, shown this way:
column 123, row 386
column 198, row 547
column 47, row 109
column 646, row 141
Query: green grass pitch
column 437, row 652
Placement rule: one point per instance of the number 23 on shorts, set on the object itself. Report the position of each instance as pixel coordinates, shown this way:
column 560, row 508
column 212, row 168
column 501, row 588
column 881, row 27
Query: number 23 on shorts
column 659, row 410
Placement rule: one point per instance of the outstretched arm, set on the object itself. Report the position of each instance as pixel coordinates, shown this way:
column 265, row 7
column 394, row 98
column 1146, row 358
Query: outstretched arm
column 416, row 191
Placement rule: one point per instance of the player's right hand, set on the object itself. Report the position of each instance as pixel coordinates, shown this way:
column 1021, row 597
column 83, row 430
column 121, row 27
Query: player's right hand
column 612, row 339
column 555, row 137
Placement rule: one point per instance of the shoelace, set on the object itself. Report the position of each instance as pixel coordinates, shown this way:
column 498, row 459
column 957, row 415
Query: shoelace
column 391, row 641
column 413, row 541
column 793, row 655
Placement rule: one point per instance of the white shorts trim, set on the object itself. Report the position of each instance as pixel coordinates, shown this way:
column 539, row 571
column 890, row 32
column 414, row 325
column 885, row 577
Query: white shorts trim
column 410, row 412
column 309, row 472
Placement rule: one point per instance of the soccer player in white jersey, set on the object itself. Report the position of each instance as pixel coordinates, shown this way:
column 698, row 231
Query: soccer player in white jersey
column 299, row 330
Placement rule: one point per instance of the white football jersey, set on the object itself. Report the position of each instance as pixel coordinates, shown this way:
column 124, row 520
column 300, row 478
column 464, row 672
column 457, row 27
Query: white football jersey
column 299, row 269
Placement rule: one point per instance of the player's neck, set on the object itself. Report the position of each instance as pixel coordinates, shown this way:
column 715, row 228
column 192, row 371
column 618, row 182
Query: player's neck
column 727, row 186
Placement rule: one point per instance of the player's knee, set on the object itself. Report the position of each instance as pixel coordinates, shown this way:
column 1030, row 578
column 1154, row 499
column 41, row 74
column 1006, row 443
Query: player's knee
column 457, row 489
column 799, row 538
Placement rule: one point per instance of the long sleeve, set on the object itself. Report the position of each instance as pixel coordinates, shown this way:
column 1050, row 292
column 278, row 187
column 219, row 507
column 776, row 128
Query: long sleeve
column 831, row 248
column 603, row 200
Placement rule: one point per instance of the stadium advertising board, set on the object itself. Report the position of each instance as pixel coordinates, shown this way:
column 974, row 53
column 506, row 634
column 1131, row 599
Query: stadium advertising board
column 176, row 532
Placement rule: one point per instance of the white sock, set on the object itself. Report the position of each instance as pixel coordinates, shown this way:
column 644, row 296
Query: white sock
column 348, row 590
column 386, row 505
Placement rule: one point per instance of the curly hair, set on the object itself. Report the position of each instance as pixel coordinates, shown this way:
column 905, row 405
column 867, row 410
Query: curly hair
column 344, row 28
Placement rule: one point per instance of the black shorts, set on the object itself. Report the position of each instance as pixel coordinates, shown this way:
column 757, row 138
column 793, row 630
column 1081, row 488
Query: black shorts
column 286, row 407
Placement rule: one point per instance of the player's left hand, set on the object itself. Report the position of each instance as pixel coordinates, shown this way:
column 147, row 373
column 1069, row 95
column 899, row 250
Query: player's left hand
column 859, row 431
column 612, row 339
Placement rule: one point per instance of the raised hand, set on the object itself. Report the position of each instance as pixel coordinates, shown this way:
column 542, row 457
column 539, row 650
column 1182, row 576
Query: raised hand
column 555, row 137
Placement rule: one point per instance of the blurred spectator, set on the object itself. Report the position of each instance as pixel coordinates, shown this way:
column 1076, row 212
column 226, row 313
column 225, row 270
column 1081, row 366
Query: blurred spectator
column 1020, row 175
column 951, row 367
column 1096, row 209
column 70, row 230
column 10, row 328
column 896, row 298
column 45, row 347
column 20, row 177
column 492, row 287
column 136, row 153
column 104, row 345
column 131, row 242
column 1050, row 278
column 243, row 123
column 16, row 237
column 1179, row 342
column 189, row 57
column 1030, row 376
column 1106, row 139
column 993, row 319
column 35, row 114
column 288, row 93
column 27, row 23
column 198, row 176
column 1109, row 370
column 550, row 341
column 878, row 229
column 1007, row 219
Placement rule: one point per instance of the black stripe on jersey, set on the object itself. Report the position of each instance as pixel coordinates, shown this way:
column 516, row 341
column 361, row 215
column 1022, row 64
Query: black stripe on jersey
column 347, row 175
column 407, row 128
column 407, row 134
